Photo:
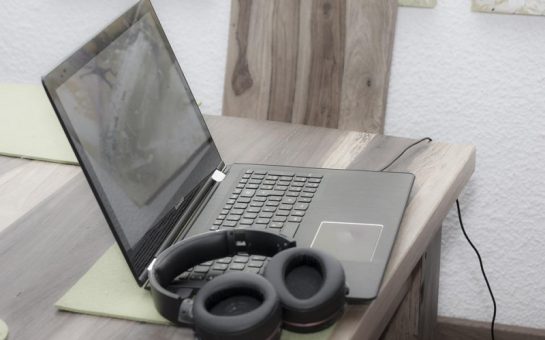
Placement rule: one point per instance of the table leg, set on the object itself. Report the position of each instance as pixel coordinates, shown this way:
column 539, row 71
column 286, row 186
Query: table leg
column 416, row 316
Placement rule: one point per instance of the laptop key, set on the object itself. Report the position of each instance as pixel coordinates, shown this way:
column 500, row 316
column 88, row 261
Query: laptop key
column 250, row 215
column 233, row 218
column 307, row 194
column 283, row 182
column 236, row 266
column 253, row 270
column 220, row 266
column 243, row 200
column 256, row 204
column 312, row 190
column 240, row 259
column 297, row 184
column 282, row 212
column 276, row 225
column 301, row 206
column 298, row 213
column 225, row 260
column 247, row 193
column 237, row 211
column 201, row 269
column 260, row 199
column 214, row 227
column 299, row 179
column 285, row 207
column 240, row 205
column 255, row 264
column 218, row 222
column 221, row 217
column 229, row 224
column 314, row 180
column 281, row 187
column 279, row 219
column 272, row 203
column 263, row 220
column 288, row 200
column 289, row 229
column 304, row 200
column 286, row 178
column 269, row 209
column 260, row 172
column 269, row 193
column 266, row 215
column 252, row 186
column 246, row 221
column 275, row 198
column 253, row 209
column 259, row 177
column 294, row 219
column 292, row 194
column 266, row 187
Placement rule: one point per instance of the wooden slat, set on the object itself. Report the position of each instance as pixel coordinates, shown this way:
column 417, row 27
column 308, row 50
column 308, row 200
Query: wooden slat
column 369, row 46
column 315, row 62
column 27, row 185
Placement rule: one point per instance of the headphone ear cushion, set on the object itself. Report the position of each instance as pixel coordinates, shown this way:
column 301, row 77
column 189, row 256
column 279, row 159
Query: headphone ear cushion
column 311, row 287
column 237, row 305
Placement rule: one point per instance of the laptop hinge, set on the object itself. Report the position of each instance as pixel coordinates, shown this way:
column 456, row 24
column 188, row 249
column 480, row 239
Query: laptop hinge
column 218, row 176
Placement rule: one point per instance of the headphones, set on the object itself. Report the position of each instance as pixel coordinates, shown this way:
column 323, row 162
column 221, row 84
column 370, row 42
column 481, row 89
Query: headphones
column 302, row 289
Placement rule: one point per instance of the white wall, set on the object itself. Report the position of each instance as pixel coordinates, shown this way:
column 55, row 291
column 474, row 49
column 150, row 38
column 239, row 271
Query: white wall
column 457, row 76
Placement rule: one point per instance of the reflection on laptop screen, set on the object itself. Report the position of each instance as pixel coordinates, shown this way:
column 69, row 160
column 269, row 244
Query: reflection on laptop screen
column 143, row 137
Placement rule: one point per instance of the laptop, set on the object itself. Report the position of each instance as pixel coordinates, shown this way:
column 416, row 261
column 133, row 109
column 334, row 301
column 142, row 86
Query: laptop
column 152, row 164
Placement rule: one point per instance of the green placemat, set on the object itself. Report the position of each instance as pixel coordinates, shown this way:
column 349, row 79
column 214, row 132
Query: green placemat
column 109, row 289
column 29, row 127
column 3, row 330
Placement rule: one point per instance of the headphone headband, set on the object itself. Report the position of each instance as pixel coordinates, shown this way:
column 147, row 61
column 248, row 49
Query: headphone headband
column 201, row 248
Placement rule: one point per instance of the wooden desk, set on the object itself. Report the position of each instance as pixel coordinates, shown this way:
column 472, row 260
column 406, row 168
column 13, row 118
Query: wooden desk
column 52, row 231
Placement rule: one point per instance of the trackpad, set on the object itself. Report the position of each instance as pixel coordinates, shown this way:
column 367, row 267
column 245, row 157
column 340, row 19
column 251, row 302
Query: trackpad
column 348, row 241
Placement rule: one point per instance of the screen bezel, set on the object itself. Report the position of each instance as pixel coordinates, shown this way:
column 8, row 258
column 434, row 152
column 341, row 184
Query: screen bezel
column 74, row 63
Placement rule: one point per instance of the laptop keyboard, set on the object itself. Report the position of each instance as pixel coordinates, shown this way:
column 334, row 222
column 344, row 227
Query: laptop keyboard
column 269, row 200
column 275, row 201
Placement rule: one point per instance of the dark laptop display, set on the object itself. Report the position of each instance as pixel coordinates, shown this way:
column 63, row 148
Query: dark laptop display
column 140, row 135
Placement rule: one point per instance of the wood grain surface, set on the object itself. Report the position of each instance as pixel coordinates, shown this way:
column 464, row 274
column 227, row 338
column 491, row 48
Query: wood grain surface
column 316, row 62
column 52, row 244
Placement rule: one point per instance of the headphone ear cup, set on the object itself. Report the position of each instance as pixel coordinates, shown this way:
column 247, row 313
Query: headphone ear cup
column 237, row 305
column 311, row 287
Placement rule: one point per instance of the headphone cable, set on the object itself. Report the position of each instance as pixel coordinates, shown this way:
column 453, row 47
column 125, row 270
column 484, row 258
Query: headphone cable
column 465, row 234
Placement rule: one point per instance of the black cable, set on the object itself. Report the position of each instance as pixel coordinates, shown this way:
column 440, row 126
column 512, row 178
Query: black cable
column 482, row 268
column 402, row 152
column 465, row 234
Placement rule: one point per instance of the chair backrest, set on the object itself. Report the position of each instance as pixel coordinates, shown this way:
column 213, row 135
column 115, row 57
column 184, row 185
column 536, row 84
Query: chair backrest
column 316, row 62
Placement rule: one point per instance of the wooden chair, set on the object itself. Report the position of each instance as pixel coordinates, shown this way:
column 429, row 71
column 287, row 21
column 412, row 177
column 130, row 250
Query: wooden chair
column 316, row 62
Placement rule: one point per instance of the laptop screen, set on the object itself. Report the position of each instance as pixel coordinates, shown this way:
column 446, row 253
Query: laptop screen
column 135, row 125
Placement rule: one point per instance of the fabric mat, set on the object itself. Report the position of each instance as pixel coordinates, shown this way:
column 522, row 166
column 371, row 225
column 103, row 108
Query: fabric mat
column 29, row 127
column 3, row 330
